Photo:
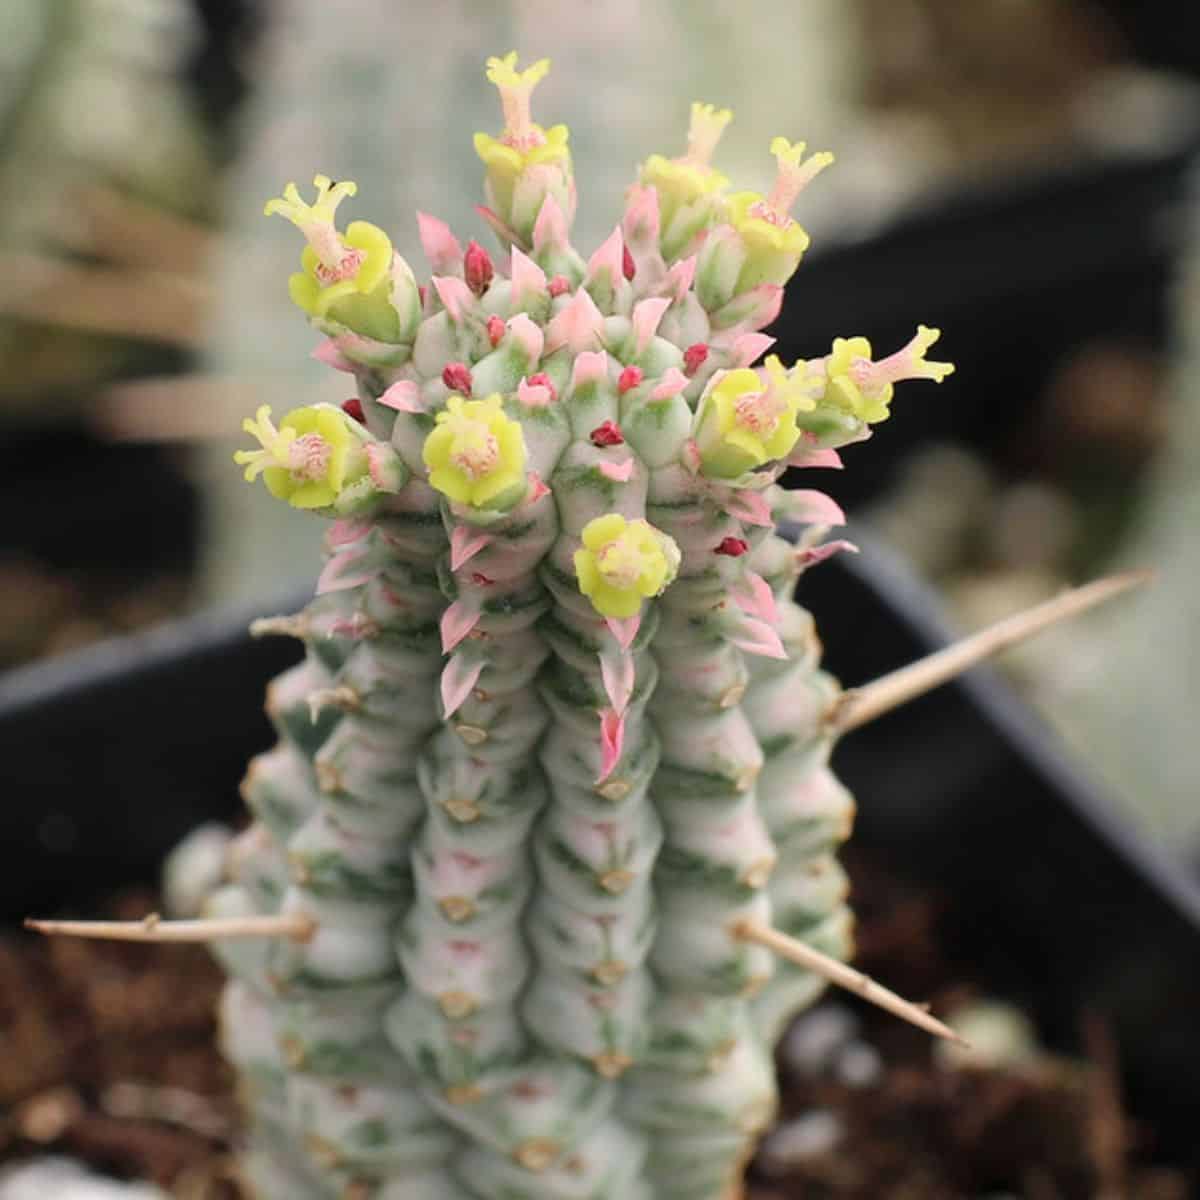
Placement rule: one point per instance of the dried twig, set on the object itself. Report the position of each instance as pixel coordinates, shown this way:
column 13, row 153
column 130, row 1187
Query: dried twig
column 859, row 705
column 297, row 926
column 843, row 976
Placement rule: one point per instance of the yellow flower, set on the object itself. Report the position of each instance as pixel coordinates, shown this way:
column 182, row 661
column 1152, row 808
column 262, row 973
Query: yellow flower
column 623, row 562
column 864, row 388
column 335, row 266
column 309, row 460
column 742, row 423
column 688, row 186
column 524, row 148
column 774, row 242
column 476, row 454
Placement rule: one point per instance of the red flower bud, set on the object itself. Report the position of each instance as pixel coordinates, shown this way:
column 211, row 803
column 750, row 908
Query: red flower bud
column 477, row 268
column 608, row 434
column 733, row 546
column 495, row 329
column 546, row 382
column 629, row 378
column 481, row 579
column 627, row 264
column 558, row 285
column 457, row 377
column 694, row 357
column 354, row 408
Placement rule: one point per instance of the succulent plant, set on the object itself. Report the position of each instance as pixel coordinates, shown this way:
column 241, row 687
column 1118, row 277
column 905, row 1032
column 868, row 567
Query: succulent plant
column 560, row 731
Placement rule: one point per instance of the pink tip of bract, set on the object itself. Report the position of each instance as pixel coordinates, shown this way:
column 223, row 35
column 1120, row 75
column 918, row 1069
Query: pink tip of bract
column 804, row 456
column 608, row 434
column 343, row 571
column 619, row 674
column 811, row 507
column 465, row 543
column 550, row 228
column 679, row 280
column 454, row 294
column 757, row 637
column 628, row 266
column 457, row 621
column 753, row 595
column 640, row 223
column 612, row 741
column 495, row 330
column 608, row 258
column 329, row 353
column 629, row 378
column 578, row 325
column 440, row 245
column 354, row 408
column 477, row 268
column 457, row 377
column 403, row 396
column 750, row 507
column 735, row 547
column 345, row 531
column 811, row 555
column 537, row 391
column 694, row 357
column 528, row 279
column 558, row 285
column 458, row 679
column 673, row 382
column 528, row 335
column 618, row 472
column 624, row 629
column 645, row 319
column 749, row 346
column 590, row 367
column 537, row 488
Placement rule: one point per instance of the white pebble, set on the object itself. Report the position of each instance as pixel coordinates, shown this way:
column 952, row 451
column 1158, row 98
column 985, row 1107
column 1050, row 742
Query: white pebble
column 194, row 869
column 859, row 1066
column 811, row 1136
column 63, row 1179
column 815, row 1039
column 1000, row 1037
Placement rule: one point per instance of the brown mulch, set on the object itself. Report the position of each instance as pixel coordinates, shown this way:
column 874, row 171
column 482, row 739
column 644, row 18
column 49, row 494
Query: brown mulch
column 107, row 1054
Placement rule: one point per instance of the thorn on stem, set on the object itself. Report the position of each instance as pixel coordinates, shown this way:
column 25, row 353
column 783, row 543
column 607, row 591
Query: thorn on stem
column 299, row 927
column 842, row 975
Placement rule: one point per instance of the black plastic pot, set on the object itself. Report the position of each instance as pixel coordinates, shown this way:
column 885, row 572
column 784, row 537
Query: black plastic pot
column 114, row 753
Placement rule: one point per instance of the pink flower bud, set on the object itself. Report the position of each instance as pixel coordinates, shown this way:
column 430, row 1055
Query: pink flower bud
column 608, row 434
column 477, row 268
column 629, row 378
column 627, row 264
column 734, row 547
column 495, row 329
column 694, row 357
column 457, row 377
column 558, row 285
column 354, row 408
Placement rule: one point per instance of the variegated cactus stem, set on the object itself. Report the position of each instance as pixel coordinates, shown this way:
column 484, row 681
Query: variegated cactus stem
column 558, row 745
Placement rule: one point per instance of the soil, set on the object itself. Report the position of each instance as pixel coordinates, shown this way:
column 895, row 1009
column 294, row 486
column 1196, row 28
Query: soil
column 108, row 1056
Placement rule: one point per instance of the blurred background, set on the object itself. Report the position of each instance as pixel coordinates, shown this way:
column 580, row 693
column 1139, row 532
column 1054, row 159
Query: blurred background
column 1017, row 172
